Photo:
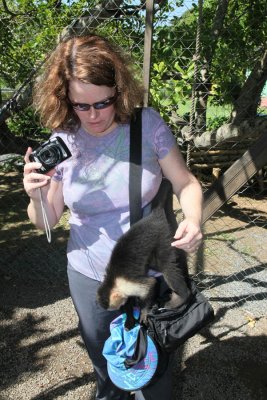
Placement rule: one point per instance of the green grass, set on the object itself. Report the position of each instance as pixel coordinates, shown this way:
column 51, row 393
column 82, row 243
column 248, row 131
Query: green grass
column 212, row 111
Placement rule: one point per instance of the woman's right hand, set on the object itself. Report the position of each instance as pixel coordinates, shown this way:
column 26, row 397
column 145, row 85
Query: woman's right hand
column 33, row 180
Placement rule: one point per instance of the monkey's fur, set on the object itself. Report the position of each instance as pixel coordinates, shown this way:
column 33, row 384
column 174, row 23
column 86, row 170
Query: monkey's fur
column 147, row 244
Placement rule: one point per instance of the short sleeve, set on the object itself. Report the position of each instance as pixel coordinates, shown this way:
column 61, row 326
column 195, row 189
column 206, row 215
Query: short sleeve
column 164, row 140
column 58, row 175
column 163, row 137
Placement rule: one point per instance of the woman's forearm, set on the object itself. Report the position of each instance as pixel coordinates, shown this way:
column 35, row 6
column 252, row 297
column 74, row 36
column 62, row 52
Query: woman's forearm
column 191, row 200
column 35, row 214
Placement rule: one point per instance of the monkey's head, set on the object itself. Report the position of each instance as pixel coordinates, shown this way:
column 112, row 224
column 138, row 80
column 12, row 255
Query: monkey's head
column 110, row 298
column 116, row 299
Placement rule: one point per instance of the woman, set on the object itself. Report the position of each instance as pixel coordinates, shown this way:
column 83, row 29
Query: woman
column 86, row 95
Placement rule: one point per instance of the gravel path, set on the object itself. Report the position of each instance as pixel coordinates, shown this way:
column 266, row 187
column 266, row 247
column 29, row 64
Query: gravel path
column 42, row 356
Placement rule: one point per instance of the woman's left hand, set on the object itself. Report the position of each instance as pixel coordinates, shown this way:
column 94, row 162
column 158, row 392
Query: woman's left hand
column 188, row 236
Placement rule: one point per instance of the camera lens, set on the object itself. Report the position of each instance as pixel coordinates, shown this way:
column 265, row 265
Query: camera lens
column 50, row 156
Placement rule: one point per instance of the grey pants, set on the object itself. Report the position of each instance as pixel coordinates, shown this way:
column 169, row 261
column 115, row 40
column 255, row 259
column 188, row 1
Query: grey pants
column 94, row 324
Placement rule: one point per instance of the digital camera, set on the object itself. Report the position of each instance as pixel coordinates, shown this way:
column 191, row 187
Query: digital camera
column 50, row 154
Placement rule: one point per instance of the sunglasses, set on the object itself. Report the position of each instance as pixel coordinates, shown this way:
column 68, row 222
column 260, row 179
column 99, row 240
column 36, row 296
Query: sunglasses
column 100, row 105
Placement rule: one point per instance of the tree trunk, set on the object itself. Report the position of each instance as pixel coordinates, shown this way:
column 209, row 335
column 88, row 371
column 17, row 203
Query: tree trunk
column 13, row 144
column 248, row 101
column 19, row 101
column 246, row 129
column 203, row 88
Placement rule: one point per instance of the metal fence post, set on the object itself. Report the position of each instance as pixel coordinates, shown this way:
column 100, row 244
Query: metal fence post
column 147, row 49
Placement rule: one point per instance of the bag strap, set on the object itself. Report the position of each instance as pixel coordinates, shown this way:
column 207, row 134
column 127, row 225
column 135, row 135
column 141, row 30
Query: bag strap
column 135, row 171
column 135, row 200
column 140, row 348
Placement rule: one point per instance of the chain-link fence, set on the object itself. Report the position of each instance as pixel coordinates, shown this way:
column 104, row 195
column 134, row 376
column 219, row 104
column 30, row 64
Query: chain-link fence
column 200, row 89
column 204, row 67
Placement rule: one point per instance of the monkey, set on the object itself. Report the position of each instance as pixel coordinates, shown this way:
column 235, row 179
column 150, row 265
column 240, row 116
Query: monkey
column 147, row 244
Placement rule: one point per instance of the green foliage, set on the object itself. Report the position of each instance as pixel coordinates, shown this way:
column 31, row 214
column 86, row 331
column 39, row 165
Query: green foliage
column 215, row 122
column 26, row 124
column 11, row 162
column 169, row 91
column 239, row 46
column 28, row 31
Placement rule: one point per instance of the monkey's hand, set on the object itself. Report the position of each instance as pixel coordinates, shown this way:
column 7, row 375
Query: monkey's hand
column 143, row 315
column 175, row 301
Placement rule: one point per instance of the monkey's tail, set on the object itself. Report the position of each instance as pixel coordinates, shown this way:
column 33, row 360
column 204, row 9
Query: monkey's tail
column 163, row 203
column 163, row 196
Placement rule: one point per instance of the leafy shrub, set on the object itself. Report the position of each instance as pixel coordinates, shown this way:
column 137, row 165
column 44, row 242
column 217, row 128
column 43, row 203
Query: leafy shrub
column 26, row 124
column 11, row 162
column 215, row 122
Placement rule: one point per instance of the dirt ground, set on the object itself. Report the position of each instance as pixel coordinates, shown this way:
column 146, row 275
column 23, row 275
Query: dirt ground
column 41, row 354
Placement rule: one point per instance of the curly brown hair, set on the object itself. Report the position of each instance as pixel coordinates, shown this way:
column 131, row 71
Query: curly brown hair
column 90, row 59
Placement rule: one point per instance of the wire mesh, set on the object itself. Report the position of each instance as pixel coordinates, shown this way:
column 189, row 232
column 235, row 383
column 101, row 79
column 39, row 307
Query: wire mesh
column 196, row 78
column 231, row 265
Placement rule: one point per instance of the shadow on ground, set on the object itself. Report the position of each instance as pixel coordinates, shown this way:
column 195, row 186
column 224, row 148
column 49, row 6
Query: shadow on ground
column 30, row 267
column 230, row 369
column 33, row 275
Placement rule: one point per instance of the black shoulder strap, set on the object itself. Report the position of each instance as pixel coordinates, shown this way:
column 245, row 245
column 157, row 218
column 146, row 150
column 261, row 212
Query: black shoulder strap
column 135, row 172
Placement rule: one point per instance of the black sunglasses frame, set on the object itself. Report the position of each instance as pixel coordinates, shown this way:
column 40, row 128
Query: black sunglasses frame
column 99, row 105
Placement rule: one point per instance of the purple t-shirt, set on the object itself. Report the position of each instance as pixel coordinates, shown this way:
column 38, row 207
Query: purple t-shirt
column 95, row 187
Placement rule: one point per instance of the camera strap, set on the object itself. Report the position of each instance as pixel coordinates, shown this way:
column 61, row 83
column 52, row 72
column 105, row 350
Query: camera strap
column 135, row 172
column 45, row 219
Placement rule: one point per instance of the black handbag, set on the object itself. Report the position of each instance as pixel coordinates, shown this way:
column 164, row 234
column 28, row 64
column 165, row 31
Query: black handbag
column 168, row 327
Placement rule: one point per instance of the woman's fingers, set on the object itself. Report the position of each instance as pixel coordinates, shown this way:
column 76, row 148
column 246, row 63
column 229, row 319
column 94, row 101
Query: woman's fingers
column 35, row 177
column 27, row 155
column 188, row 236
column 31, row 167
column 32, row 179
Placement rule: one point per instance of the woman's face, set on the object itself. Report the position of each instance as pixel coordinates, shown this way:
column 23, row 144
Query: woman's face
column 96, row 122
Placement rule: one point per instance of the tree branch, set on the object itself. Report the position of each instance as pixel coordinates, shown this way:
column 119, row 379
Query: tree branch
column 217, row 27
column 22, row 97
column 11, row 12
column 85, row 24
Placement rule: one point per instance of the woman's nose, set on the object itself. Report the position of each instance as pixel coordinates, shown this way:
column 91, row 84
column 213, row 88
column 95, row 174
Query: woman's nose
column 92, row 112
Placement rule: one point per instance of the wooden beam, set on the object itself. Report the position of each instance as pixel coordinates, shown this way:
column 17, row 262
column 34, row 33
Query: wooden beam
column 235, row 177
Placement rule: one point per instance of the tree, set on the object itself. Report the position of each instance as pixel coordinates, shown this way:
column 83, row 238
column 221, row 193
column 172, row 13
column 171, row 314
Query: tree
column 28, row 30
column 231, row 66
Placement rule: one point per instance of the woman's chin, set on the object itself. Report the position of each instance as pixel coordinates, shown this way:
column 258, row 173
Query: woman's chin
column 98, row 129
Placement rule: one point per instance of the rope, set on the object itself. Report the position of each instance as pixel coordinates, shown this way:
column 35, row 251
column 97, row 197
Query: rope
column 193, row 95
